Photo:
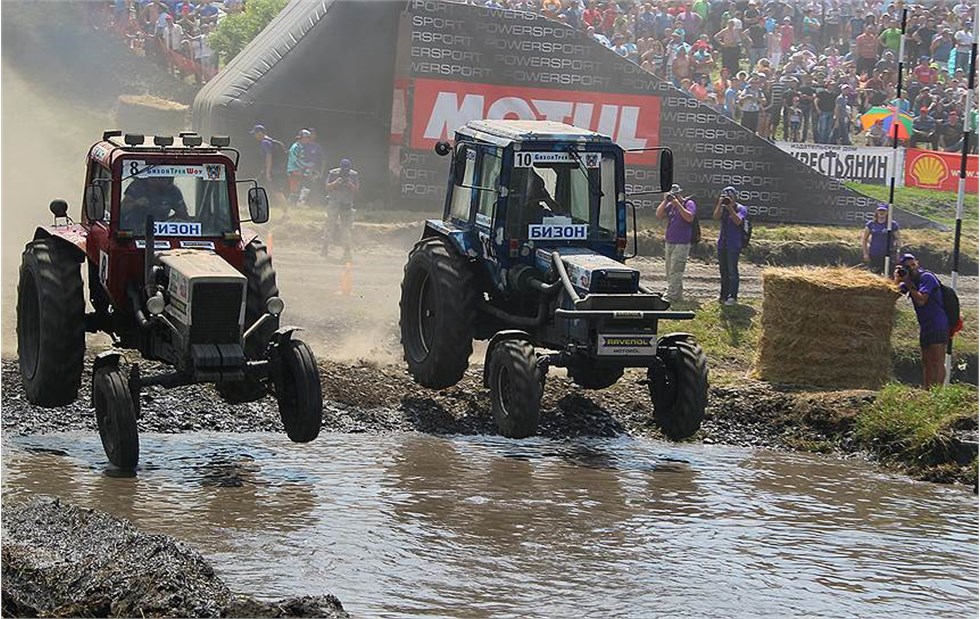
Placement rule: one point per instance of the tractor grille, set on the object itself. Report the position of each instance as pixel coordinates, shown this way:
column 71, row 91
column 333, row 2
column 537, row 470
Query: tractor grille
column 615, row 282
column 215, row 313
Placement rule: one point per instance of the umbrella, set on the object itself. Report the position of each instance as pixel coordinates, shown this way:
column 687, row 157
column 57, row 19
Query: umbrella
column 886, row 114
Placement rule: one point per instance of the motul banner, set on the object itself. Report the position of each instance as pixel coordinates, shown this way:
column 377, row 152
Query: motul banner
column 863, row 164
column 932, row 169
column 458, row 62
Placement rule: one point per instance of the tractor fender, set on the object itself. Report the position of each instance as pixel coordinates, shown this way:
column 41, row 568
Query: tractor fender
column 457, row 237
column 283, row 334
column 73, row 236
column 500, row 336
column 249, row 234
column 670, row 338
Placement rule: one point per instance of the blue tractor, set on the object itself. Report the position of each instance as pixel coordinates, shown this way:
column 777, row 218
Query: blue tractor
column 530, row 255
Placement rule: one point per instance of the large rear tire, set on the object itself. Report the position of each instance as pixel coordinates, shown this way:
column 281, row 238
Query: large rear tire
column 298, row 391
column 438, row 309
column 680, row 391
column 261, row 287
column 594, row 378
column 116, row 417
column 515, row 388
column 50, row 323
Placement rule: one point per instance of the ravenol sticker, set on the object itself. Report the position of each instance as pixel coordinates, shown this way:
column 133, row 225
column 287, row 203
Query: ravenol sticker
column 197, row 244
column 627, row 345
column 142, row 169
column 178, row 228
column 527, row 159
column 542, row 232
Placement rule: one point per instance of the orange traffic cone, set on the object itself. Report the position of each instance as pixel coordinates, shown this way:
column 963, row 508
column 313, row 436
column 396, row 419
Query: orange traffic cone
column 347, row 280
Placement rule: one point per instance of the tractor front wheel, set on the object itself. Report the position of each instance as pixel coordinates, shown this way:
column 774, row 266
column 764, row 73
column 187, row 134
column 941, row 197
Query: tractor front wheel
column 515, row 388
column 50, row 323
column 116, row 417
column 298, row 391
column 261, row 287
column 679, row 389
column 438, row 306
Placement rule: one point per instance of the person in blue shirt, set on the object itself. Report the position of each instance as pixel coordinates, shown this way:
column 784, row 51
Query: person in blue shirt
column 922, row 287
column 874, row 240
column 730, row 214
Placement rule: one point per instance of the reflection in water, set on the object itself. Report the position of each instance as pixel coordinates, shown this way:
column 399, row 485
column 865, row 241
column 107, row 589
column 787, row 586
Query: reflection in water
column 410, row 524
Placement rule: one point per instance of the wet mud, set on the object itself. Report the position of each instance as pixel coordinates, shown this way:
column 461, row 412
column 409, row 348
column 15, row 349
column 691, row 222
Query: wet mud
column 60, row 560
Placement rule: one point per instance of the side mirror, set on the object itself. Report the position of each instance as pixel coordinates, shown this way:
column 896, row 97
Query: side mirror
column 443, row 148
column 258, row 205
column 59, row 208
column 666, row 170
column 94, row 202
column 459, row 165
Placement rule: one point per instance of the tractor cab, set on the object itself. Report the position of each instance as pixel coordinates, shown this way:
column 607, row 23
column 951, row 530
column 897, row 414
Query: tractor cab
column 520, row 190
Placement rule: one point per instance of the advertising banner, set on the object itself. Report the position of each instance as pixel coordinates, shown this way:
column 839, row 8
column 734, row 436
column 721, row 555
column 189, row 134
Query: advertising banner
column 459, row 62
column 863, row 164
column 932, row 169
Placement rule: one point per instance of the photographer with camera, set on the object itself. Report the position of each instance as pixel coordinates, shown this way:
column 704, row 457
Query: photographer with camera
column 342, row 186
column 730, row 214
column 680, row 213
column 923, row 288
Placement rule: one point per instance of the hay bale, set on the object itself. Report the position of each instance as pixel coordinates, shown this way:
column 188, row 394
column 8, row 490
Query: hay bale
column 827, row 327
column 150, row 115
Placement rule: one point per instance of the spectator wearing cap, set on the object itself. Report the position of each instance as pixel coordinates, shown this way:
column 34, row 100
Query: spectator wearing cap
column 730, row 214
column 679, row 211
column 343, row 186
column 297, row 165
column 270, row 169
column 922, row 287
column 875, row 243
column 924, row 130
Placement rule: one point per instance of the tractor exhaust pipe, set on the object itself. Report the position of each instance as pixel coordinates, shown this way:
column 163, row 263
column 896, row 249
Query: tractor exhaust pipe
column 563, row 274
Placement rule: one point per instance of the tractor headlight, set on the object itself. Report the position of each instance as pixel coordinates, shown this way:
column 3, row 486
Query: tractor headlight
column 155, row 304
column 274, row 306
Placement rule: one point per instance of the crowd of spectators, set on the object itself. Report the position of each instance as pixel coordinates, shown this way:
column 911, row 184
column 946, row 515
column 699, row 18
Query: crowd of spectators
column 802, row 71
column 172, row 33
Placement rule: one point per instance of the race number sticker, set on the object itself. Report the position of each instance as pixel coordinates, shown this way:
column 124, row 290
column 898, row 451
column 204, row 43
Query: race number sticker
column 556, row 232
column 103, row 267
column 178, row 228
column 142, row 169
column 527, row 159
column 639, row 345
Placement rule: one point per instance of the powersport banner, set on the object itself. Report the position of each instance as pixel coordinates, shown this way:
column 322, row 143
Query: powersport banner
column 864, row 164
column 459, row 62
column 932, row 169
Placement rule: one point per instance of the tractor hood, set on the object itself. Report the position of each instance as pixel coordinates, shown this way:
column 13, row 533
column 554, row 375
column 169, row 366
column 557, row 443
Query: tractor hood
column 592, row 272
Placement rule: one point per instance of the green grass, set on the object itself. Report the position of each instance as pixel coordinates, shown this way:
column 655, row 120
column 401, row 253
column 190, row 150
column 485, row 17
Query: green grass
column 728, row 334
column 936, row 205
column 915, row 426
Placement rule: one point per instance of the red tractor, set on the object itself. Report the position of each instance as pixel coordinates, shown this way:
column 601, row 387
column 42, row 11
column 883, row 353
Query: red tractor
column 171, row 274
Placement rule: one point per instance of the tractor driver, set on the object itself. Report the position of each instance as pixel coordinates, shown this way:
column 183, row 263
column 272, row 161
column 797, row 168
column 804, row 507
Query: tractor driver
column 538, row 197
column 157, row 196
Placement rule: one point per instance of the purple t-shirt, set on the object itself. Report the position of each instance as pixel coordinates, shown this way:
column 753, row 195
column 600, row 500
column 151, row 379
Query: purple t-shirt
column 879, row 237
column 730, row 237
column 679, row 230
column 932, row 315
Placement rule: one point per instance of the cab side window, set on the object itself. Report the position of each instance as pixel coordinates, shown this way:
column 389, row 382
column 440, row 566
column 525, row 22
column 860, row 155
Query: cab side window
column 460, row 206
column 489, row 178
column 101, row 175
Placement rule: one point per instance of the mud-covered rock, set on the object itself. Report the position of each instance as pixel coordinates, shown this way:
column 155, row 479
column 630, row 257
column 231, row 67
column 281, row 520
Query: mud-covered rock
column 60, row 560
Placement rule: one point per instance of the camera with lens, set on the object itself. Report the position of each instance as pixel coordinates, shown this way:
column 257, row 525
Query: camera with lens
column 726, row 200
column 901, row 270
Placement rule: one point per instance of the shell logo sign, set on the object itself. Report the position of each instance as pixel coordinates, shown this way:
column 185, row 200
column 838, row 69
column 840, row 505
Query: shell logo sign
column 932, row 169
column 929, row 170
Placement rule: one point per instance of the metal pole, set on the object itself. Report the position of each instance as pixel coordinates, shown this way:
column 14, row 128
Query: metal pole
column 961, row 188
column 891, row 184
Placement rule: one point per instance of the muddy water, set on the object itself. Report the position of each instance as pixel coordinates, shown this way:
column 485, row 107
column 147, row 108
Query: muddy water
column 409, row 524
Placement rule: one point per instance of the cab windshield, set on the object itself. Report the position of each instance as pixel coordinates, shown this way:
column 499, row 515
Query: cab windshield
column 184, row 200
column 562, row 196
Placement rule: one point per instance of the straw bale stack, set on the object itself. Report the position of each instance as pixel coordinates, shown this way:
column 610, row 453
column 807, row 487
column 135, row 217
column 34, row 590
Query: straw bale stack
column 827, row 327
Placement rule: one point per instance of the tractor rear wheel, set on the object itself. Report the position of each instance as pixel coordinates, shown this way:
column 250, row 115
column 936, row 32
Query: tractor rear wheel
column 50, row 323
column 594, row 378
column 438, row 307
column 515, row 388
column 261, row 287
column 116, row 417
column 679, row 389
column 298, row 391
